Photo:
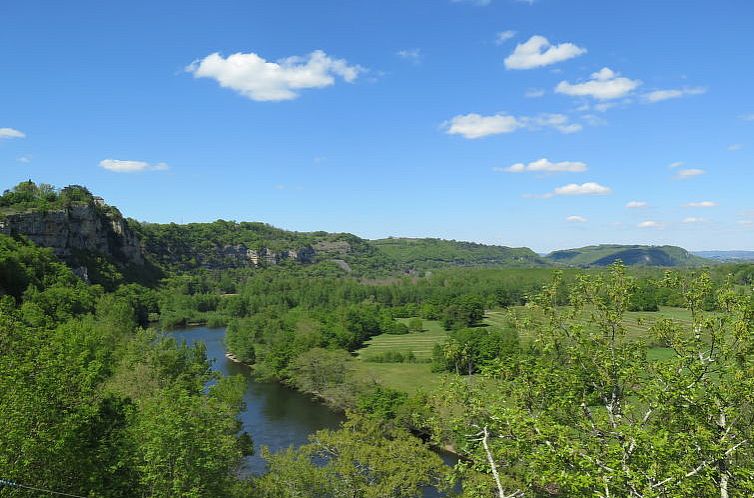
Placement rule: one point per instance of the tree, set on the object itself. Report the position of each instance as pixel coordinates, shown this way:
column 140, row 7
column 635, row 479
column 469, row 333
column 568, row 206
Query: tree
column 187, row 445
column 465, row 311
column 586, row 413
column 468, row 350
column 416, row 325
column 323, row 373
column 364, row 459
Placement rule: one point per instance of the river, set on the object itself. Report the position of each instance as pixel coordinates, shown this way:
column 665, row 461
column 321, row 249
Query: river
column 275, row 416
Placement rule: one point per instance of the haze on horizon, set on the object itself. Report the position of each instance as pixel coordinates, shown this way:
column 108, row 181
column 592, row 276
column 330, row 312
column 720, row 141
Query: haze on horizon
column 524, row 123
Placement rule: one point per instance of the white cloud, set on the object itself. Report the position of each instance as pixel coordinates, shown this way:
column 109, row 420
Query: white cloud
column 477, row 126
column 533, row 93
column 576, row 219
column 689, row 173
column 676, row 164
column 538, row 52
column 25, row 159
column 660, row 95
column 572, row 189
column 588, row 188
column 560, row 122
column 746, row 223
column 735, row 147
column 257, row 79
column 748, row 117
column 604, row 85
column 120, row 166
column 637, row 205
column 701, row 204
column 413, row 55
column 545, row 165
column 504, row 36
column 6, row 133
column 693, row 220
column 650, row 224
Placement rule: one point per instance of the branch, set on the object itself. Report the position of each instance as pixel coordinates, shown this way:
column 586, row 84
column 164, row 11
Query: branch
column 493, row 467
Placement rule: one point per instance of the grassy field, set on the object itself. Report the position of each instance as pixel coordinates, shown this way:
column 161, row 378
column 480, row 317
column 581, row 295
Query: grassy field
column 419, row 343
column 411, row 377
column 406, row 377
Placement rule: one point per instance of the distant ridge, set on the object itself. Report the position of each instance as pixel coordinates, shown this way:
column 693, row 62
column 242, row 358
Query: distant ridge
column 631, row 255
column 422, row 253
column 87, row 233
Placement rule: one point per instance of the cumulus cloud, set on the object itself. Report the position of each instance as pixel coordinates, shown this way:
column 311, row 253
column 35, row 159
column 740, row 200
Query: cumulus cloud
column 735, row 147
column 605, row 84
column 574, row 189
column 660, row 95
column 692, row 220
column 120, row 166
column 676, row 164
column 537, row 51
column 258, row 79
column 559, row 122
column 504, row 36
column 413, row 55
column 477, row 126
column 636, row 205
column 25, row 159
column 7, row 133
column 545, row 165
column 748, row 117
column 576, row 219
column 649, row 224
column 701, row 204
column 588, row 188
column 689, row 173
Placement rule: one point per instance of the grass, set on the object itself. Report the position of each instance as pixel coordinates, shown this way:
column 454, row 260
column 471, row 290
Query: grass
column 419, row 343
column 411, row 377
column 406, row 377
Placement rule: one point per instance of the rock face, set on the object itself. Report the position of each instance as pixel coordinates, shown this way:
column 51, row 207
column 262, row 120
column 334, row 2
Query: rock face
column 78, row 228
column 239, row 255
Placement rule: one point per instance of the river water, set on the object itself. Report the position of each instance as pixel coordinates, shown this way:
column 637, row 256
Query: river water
column 275, row 416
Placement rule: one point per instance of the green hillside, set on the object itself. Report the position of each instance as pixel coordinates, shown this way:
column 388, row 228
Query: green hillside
column 632, row 255
column 435, row 253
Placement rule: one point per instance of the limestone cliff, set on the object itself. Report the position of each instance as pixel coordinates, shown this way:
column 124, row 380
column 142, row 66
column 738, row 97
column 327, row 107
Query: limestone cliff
column 91, row 228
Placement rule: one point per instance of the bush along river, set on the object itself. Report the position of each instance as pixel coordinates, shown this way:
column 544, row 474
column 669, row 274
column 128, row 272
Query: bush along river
column 276, row 416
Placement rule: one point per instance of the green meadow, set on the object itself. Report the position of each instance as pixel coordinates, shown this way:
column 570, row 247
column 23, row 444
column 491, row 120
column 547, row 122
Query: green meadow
column 411, row 377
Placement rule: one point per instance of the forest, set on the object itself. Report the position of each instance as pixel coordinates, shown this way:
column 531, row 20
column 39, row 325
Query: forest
column 560, row 395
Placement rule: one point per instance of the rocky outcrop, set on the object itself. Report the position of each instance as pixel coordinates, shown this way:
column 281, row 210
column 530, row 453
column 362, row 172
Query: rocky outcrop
column 239, row 255
column 91, row 228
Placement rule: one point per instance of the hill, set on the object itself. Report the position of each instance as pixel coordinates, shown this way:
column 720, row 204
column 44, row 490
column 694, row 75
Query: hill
column 82, row 230
column 632, row 255
column 104, row 247
column 229, row 244
column 435, row 253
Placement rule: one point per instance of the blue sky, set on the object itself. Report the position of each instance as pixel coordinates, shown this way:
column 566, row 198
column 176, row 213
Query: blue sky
column 502, row 121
